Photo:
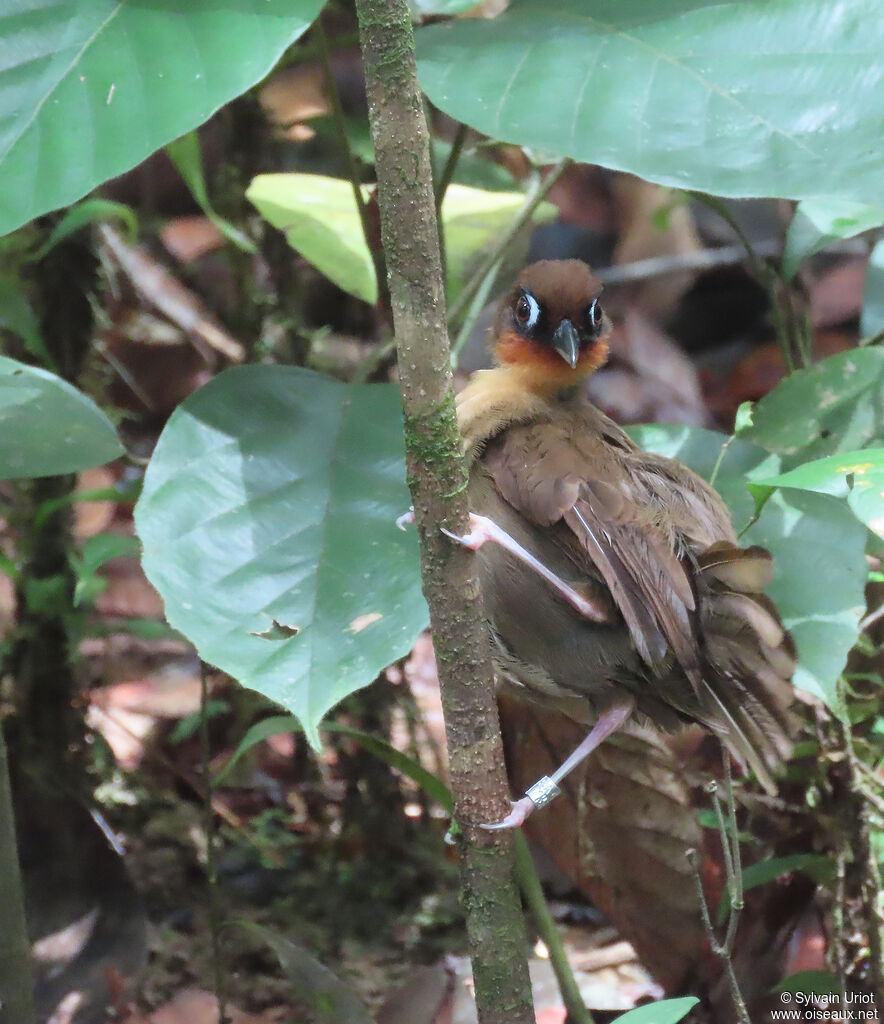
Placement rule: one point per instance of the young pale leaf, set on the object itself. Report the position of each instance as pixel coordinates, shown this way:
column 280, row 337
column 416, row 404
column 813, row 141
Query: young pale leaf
column 678, row 92
column 666, row 1011
column 812, row 537
column 832, row 406
column 87, row 90
column 872, row 322
column 271, row 498
column 319, row 218
column 473, row 220
column 817, row 223
column 857, row 476
column 47, row 426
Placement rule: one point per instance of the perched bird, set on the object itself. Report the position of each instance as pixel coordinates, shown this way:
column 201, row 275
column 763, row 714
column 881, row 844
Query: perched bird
column 612, row 578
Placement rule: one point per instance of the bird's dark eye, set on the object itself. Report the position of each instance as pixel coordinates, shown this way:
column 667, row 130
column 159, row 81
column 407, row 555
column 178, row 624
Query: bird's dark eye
column 527, row 310
column 594, row 316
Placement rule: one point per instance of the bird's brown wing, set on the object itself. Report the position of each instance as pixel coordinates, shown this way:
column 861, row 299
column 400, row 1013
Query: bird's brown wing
column 549, row 476
column 662, row 542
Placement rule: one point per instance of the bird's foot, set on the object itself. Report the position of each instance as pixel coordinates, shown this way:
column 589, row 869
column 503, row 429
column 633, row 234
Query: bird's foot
column 539, row 795
column 482, row 529
column 406, row 519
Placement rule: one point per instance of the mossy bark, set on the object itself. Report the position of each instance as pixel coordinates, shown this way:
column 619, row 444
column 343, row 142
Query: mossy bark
column 437, row 477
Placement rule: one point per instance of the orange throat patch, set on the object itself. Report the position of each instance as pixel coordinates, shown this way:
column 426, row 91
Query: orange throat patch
column 541, row 369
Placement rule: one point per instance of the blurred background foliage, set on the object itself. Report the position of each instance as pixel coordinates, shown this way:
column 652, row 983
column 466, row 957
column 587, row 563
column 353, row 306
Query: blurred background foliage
column 189, row 188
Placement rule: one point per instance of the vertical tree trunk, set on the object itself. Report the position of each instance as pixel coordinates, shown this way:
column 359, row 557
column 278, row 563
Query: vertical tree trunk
column 437, row 478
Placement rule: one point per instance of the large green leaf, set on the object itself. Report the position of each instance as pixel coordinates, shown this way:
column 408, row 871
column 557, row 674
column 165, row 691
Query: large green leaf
column 813, row 538
column 267, row 520
column 857, row 476
column 740, row 99
column 87, row 90
column 47, row 426
column 836, row 405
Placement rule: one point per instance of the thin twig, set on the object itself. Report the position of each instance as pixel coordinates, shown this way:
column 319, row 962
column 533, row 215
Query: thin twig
column 473, row 313
column 533, row 198
column 441, row 186
column 730, row 844
column 334, row 97
column 532, row 894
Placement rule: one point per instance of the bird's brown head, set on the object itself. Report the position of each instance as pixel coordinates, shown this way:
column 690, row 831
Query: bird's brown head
column 552, row 324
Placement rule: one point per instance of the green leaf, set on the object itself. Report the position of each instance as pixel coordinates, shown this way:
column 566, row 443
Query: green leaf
column 830, row 407
column 408, row 766
column 812, row 537
column 818, row 223
column 666, row 1011
column 872, row 322
column 857, row 476
column 330, row 1001
column 88, row 90
column 817, row 983
column 96, row 551
column 679, row 92
column 17, row 317
column 319, row 218
column 186, row 155
column 816, row 866
column 90, row 211
column 47, row 426
column 188, row 726
column 272, row 495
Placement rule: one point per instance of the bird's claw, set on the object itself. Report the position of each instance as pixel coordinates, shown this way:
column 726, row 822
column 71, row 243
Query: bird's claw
column 520, row 811
column 406, row 519
column 481, row 530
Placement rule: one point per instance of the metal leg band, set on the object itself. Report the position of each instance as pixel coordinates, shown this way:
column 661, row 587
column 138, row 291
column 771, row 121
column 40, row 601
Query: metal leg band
column 543, row 791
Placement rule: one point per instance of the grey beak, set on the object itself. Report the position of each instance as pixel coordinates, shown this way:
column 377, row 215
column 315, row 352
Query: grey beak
column 566, row 341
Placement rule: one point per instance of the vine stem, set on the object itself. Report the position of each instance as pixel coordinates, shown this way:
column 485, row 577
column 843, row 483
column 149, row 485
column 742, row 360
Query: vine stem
column 334, row 98
column 437, row 476
column 535, row 195
column 535, row 901
column 730, row 844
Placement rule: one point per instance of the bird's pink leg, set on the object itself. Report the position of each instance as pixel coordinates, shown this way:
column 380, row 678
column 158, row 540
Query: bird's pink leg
column 483, row 529
column 547, row 789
